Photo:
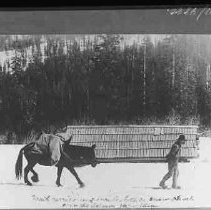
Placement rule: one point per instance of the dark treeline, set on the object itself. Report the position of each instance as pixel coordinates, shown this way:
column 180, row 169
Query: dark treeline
column 98, row 81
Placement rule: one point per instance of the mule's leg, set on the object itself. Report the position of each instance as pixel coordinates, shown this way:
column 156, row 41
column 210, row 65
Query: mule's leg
column 35, row 177
column 28, row 168
column 72, row 170
column 59, row 172
column 26, row 171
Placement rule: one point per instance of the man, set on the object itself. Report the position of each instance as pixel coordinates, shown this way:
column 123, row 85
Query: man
column 172, row 159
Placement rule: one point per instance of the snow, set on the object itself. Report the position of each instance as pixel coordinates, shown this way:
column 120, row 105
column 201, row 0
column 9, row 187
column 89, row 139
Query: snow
column 109, row 185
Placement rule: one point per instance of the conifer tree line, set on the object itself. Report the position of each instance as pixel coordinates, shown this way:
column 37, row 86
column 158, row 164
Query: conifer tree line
column 102, row 81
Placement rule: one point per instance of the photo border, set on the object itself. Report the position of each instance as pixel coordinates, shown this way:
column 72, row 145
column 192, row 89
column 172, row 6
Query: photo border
column 135, row 20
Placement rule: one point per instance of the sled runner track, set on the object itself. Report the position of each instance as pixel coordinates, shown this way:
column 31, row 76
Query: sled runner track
column 137, row 160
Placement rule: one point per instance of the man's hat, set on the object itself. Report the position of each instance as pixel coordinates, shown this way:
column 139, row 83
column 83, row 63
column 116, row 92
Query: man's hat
column 181, row 137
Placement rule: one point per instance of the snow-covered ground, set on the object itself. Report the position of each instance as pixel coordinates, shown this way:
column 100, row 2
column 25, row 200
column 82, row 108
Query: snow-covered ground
column 121, row 185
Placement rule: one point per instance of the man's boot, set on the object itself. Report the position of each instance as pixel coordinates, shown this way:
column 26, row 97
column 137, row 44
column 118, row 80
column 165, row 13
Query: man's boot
column 176, row 187
column 162, row 184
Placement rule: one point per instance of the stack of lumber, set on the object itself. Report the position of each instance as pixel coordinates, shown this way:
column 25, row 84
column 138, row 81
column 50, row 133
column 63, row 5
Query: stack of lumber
column 135, row 142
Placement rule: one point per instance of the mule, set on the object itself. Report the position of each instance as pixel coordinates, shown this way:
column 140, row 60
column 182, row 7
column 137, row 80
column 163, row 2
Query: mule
column 70, row 156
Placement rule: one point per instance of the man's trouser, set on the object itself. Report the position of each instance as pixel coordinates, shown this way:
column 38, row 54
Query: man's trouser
column 172, row 171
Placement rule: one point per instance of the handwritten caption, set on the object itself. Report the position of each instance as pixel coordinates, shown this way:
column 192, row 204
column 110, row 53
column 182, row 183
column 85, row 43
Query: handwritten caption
column 105, row 202
column 196, row 12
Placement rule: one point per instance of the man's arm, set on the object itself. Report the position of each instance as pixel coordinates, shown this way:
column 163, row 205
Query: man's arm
column 173, row 152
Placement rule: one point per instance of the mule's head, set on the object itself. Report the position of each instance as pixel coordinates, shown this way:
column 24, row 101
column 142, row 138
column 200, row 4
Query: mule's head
column 82, row 155
column 88, row 155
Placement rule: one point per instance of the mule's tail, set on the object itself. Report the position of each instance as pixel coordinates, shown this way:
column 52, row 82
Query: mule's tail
column 19, row 164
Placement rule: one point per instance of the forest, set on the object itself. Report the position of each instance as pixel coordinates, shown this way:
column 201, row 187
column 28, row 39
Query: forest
column 100, row 79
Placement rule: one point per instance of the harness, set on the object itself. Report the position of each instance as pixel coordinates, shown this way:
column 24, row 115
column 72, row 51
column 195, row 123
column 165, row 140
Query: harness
column 61, row 137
